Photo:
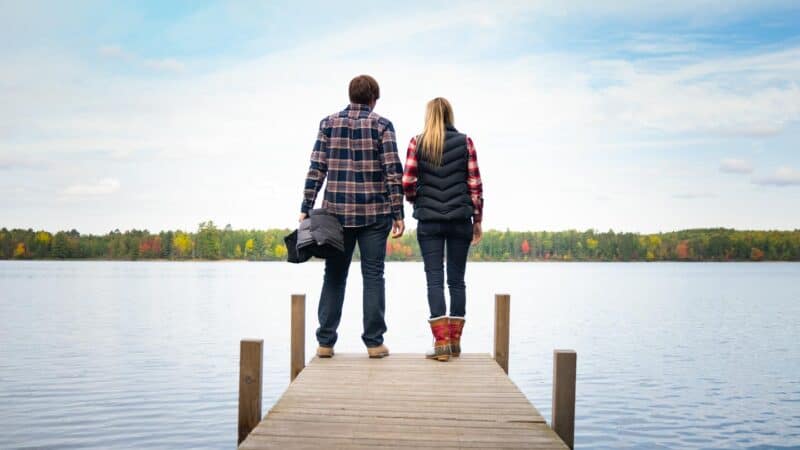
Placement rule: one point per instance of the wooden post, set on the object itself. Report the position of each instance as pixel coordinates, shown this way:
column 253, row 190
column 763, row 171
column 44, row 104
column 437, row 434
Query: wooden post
column 298, row 335
column 564, row 369
column 502, row 316
column 251, row 354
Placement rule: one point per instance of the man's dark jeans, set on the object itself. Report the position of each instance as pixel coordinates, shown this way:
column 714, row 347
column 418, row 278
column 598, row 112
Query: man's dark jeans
column 372, row 246
column 434, row 237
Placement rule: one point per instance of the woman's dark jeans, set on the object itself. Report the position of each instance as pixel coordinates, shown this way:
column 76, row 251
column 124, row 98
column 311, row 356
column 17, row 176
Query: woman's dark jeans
column 436, row 237
column 371, row 242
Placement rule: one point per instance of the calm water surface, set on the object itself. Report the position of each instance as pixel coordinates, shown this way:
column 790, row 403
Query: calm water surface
column 135, row 355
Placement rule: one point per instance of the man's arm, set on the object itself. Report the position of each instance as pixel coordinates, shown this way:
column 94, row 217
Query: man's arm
column 317, row 170
column 393, row 174
column 392, row 170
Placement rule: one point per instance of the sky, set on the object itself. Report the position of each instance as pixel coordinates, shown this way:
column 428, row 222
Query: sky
column 632, row 116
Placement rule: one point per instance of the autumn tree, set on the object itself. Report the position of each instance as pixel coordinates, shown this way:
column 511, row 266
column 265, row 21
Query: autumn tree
column 20, row 251
column 182, row 244
column 525, row 247
column 150, row 247
column 682, row 249
column 249, row 248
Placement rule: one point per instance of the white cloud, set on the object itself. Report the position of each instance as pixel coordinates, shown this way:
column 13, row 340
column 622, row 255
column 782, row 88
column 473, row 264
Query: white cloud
column 19, row 163
column 102, row 187
column 166, row 64
column 159, row 64
column 694, row 195
column 112, row 51
column 659, row 44
column 731, row 165
column 751, row 95
column 784, row 176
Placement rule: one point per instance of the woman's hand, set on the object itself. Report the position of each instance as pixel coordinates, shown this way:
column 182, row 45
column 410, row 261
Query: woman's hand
column 477, row 233
column 302, row 217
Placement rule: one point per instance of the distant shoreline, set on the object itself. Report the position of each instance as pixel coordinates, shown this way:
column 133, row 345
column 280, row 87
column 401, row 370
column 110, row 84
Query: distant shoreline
column 533, row 261
column 211, row 243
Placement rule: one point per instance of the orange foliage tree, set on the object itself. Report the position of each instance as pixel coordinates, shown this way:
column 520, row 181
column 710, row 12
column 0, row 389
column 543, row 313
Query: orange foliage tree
column 682, row 250
column 150, row 247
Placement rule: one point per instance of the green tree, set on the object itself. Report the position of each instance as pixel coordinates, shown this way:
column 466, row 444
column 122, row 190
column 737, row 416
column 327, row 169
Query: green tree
column 209, row 243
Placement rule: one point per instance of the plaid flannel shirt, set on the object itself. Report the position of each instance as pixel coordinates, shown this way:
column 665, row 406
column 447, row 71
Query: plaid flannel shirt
column 474, row 183
column 357, row 152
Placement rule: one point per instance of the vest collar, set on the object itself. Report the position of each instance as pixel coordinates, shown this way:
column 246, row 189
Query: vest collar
column 450, row 128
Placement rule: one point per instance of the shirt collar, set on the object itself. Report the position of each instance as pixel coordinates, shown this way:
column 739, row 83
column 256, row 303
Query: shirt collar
column 358, row 107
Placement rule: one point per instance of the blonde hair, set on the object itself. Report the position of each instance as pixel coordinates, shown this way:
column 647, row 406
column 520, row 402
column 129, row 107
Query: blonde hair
column 430, row 144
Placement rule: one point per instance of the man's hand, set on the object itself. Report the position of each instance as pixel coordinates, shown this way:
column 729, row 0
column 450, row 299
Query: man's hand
column 477, row 233
column 398, row 227
column 302, row 217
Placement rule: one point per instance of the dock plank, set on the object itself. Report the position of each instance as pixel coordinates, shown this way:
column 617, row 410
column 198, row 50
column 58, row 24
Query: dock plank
column 401, row 402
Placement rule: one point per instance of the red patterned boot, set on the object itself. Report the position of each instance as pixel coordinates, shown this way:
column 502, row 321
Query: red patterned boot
column 440, row 328
column 456, row 326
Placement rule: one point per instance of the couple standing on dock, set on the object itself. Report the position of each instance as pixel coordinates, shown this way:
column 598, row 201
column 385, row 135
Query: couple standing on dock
column 356, row 151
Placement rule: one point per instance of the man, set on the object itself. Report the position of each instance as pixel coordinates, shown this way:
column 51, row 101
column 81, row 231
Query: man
column 357, row 152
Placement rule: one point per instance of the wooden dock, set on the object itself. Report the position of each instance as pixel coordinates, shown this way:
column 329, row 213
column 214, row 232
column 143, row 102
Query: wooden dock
column 403, row 401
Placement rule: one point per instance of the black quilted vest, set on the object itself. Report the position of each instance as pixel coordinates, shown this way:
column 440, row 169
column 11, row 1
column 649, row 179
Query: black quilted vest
column 442, row 192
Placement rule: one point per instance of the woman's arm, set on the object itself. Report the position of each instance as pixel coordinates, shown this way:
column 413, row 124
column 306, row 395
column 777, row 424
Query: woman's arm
column 474, row 183
column 410, row 172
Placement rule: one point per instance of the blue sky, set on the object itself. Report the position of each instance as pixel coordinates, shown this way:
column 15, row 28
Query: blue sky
column 622, row 115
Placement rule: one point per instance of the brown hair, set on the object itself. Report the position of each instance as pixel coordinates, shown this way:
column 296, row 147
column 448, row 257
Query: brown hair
column 438, row 114
column 364, row 90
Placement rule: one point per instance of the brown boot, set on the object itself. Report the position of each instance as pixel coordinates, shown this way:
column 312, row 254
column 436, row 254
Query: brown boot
column 441, row 336
column 324, row 352
column 456, row 326
column 380, row 351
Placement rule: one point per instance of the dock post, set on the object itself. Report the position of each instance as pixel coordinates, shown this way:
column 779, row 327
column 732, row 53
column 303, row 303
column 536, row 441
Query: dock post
column 564, row 370
column 502, row 316
column 251, row 354
column 298, row 356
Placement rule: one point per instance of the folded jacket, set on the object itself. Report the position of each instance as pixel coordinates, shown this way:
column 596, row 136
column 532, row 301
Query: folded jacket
column 320, row 234
column 293, row 255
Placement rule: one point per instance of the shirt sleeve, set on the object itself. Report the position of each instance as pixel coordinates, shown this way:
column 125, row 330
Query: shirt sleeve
column 317, row 169
column 411, row 171
column 392, row 170
column 474, row 182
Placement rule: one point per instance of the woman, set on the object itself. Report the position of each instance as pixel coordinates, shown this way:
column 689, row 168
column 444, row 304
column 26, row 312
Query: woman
column 442, row 181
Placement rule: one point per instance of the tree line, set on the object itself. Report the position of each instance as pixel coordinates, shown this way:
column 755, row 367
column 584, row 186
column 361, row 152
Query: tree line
column 210, row 242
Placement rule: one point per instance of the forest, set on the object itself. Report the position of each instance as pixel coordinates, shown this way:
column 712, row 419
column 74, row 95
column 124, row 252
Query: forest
column 210, row 242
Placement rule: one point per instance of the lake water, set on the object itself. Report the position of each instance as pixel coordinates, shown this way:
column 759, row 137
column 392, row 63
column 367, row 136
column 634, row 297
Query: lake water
column 135, row 355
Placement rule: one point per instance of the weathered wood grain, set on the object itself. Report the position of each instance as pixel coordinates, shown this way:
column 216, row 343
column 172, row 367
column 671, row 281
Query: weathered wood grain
column 564, row 371
column 251, row 353
column 502, row 319
column 402, row 402
column 298, row 344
